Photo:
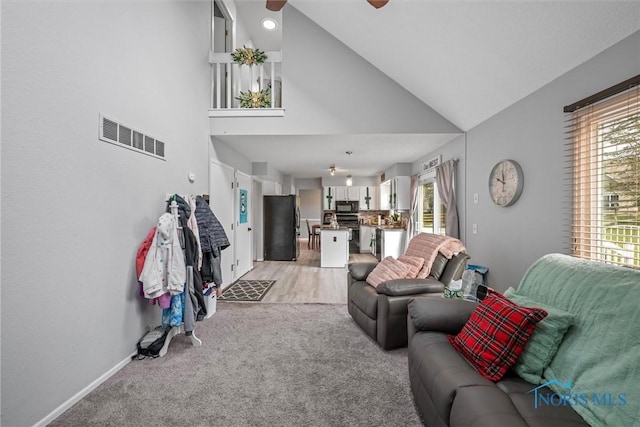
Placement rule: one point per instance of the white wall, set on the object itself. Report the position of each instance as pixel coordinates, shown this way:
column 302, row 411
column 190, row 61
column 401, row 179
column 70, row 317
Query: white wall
column 310, row 208
column 75, row 209
column 532, row 132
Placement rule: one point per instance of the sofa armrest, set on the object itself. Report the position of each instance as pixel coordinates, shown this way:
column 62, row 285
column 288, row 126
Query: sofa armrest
column 399, row 287
column 440, row 314
column 360, row 270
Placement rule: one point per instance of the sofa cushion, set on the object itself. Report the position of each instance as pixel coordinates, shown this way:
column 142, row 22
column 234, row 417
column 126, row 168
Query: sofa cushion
column 438, row 266
column 545, row 340
column 495, row 335
column 511, row 403
column 388, row 269
column 400, row 287
column 415, row 264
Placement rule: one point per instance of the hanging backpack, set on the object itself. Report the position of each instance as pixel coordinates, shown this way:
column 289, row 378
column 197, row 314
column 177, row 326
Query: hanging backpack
column 151, row 343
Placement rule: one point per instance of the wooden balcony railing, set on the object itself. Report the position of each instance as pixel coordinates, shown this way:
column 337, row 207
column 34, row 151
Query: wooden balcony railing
column 228, row 79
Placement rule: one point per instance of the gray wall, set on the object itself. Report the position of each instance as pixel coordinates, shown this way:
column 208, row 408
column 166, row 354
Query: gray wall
column 328, row 89
column 75, row 209
column 532, row 132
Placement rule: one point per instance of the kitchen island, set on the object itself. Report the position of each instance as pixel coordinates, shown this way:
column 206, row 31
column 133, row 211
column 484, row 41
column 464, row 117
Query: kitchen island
column 334, row 247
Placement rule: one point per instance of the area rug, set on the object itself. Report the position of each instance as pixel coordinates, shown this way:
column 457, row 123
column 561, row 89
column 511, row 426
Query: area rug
column 247, row 290
column 259, row 365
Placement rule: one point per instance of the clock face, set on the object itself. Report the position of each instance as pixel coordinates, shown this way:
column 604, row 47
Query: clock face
column 506, row 182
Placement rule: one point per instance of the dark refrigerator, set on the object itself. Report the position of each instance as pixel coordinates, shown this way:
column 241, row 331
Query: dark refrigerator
column 281, row 228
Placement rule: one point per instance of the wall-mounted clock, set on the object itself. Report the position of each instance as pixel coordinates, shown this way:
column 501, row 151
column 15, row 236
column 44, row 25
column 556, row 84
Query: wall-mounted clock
column 506, row 182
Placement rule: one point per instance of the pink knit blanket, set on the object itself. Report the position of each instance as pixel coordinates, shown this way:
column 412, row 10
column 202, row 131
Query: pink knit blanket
column 427, row 246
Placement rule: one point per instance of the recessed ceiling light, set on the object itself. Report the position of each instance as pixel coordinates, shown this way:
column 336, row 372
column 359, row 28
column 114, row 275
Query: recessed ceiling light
column 269, row 24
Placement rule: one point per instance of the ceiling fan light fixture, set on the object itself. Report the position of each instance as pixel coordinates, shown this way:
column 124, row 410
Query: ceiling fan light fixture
column 332, row 170
column 378, row 3
column 275, row 5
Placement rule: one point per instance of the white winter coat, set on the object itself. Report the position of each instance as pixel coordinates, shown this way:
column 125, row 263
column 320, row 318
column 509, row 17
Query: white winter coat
column 164, row 267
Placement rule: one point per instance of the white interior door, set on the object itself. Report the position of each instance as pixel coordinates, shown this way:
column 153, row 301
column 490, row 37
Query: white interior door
column 222, row 202
column 244, row 220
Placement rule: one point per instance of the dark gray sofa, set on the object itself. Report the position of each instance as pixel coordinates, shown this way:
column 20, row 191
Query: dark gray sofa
column 382, row 312
column 447, row 389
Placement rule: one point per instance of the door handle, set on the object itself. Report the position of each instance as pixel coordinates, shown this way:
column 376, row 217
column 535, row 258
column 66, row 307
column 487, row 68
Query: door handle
column 249, row 229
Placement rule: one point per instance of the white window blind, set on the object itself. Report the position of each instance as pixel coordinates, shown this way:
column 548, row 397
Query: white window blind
column 604, row 146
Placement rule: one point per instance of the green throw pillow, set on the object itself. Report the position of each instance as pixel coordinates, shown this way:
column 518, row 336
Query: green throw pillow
column 544, row 341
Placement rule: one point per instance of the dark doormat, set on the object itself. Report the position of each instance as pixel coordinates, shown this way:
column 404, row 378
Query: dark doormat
column 247, row 290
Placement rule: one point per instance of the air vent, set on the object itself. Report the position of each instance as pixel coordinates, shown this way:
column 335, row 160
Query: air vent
column 124, row 136
column 149, row 144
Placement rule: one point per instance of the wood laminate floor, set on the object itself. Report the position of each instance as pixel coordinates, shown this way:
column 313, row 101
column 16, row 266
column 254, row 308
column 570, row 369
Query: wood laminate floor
column 303, row 281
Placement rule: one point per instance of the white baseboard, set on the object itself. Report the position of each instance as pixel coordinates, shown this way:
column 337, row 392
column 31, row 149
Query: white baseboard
column 82, row 393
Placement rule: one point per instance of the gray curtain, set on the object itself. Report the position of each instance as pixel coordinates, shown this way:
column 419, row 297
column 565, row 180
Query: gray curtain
column 411, row 226
column 445, row 177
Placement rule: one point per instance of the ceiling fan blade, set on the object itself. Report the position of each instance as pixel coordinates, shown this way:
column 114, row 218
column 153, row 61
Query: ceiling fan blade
column 275, row 5
column 378, row 3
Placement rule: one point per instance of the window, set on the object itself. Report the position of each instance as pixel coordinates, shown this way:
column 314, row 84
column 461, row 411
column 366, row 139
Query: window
column 605, row 143
column 433, row 211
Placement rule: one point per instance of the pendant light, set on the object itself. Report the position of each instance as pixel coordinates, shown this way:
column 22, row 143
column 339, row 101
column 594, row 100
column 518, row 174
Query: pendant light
column 349, row 177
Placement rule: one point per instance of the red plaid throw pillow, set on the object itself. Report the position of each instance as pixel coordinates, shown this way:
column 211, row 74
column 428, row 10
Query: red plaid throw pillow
column 495, row 335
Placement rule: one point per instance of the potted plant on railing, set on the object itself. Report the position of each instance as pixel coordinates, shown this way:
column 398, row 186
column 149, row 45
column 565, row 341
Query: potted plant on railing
column 251, row 99
column 248, row 56
column 255, row 99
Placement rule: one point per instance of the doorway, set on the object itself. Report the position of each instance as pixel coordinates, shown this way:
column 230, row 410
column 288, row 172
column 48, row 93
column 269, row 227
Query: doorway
column 244, row 221
column 221, row 196
column 222, row 41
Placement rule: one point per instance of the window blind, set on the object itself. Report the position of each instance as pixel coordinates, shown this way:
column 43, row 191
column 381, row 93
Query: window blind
column 604, row 164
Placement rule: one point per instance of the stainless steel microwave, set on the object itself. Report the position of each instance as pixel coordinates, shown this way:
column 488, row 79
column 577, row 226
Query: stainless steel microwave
column 346, row 206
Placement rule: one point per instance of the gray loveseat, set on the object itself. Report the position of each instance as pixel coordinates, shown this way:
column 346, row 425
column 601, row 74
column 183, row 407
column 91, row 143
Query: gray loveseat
column 594, row 366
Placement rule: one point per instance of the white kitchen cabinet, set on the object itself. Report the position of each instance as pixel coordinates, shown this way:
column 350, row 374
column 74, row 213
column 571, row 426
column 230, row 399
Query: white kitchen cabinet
column 402, row 193
column 334, row 247
column 385, row 196
column 329, row 198
column 341, row 192
column 372, row 193
column 347, row 193
column 366, row 234
column 353, row 193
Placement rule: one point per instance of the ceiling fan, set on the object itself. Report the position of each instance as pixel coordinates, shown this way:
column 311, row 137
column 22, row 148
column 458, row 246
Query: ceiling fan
column 276, row 5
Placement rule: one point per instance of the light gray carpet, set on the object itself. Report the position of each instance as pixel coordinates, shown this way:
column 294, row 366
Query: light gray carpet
column 259, row 365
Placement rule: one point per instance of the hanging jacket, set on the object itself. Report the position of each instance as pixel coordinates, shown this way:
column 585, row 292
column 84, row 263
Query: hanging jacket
column 212, row 234
column 191, row 260
column 141, row 255
column 164, row 268
column 192, row 223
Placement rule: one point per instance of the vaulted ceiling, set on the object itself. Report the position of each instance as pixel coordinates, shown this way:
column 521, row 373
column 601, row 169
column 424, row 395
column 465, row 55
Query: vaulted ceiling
column 467, row 59
column 470, row 59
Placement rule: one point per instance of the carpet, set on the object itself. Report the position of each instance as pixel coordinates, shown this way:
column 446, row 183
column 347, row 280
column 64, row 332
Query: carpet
column 260, row 365
column 247, row 290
